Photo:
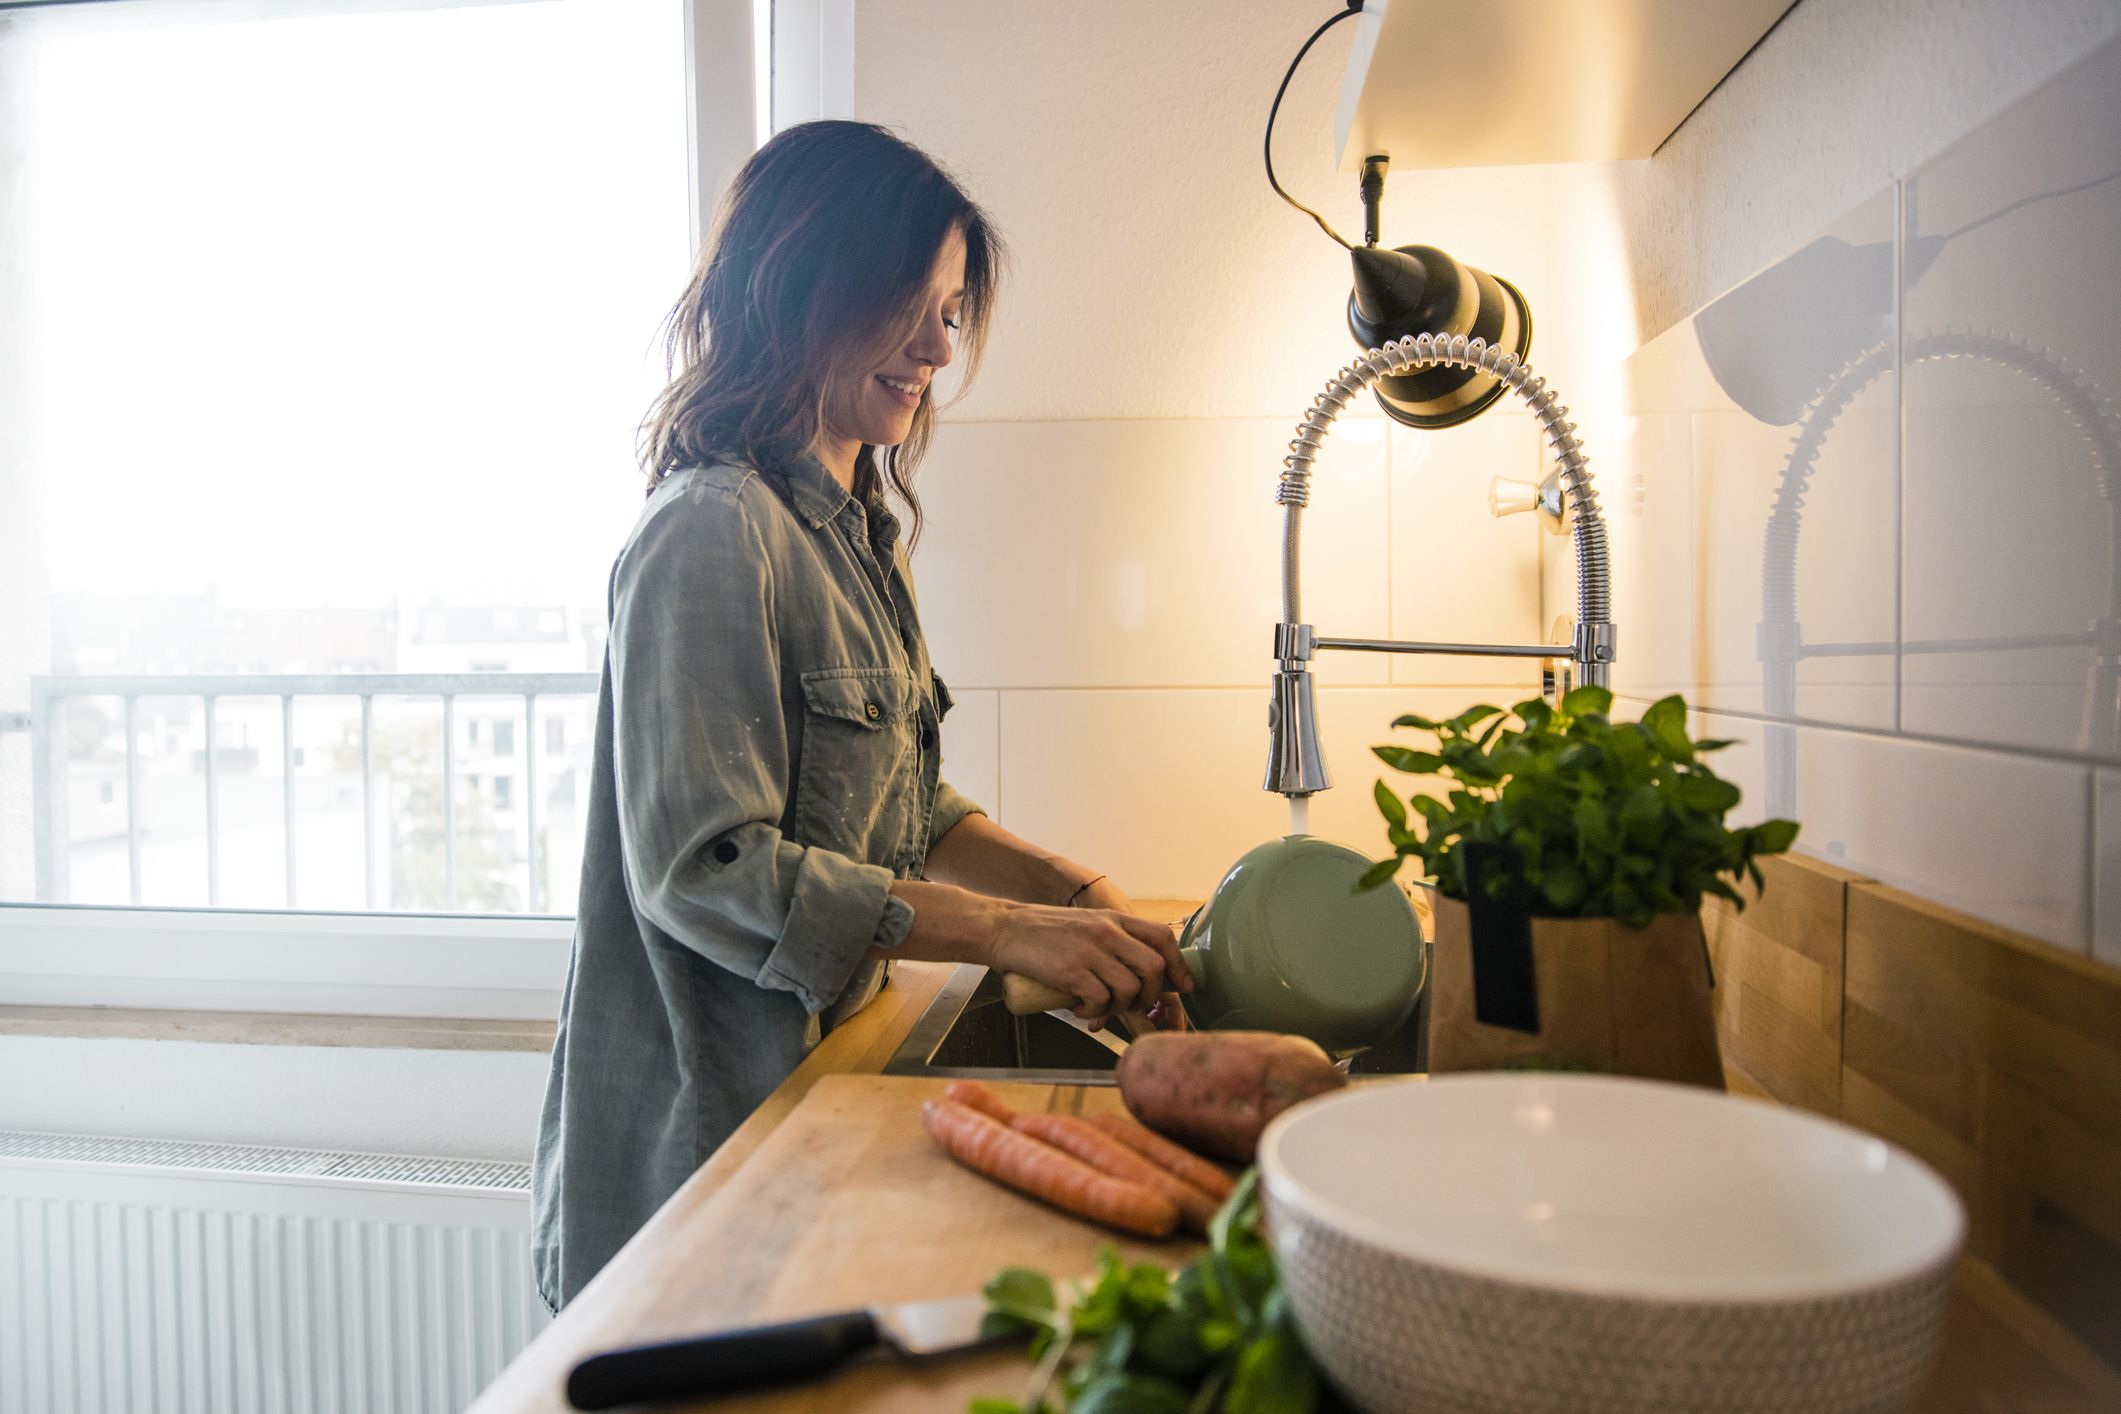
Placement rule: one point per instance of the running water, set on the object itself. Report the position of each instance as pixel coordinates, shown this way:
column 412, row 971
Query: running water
column 1299, row 814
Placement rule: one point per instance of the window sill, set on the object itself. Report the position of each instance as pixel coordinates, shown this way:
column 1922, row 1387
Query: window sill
column 261, row 1028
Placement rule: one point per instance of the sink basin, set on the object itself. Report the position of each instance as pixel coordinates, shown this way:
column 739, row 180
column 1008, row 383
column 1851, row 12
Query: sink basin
column 967, row 1033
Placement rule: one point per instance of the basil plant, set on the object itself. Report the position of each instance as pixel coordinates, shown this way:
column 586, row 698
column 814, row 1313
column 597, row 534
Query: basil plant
column 1619, row 820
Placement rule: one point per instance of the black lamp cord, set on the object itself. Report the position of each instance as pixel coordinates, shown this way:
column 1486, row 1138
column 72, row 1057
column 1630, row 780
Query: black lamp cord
column 1354, row 8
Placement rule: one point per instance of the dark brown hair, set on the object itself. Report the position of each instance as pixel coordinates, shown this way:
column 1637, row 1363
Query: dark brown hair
column 821, row 251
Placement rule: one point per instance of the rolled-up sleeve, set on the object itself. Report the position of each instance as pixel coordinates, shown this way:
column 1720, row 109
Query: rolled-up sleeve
column 951, row 808
column 701, row 763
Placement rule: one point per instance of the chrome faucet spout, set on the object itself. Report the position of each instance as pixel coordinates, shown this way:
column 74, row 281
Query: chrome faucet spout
column 1295, row 762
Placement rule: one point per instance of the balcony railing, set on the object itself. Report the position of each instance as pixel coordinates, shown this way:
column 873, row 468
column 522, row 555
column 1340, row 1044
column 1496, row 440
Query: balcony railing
column 49, row 756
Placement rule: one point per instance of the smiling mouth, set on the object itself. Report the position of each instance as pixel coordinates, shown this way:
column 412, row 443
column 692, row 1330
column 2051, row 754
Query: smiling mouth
column 906, row 390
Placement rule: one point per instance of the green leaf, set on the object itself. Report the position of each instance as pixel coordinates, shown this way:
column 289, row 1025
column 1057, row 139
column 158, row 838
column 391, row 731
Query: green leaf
column 1377, row 874
column 1414, row 763
column 1666, row 720
column 1472, row 716
column 1772, row 836
column 1171, row 1345
column 1641, row 810
column 1563, row 886
column 1148, row 1287
column 1273, row 1376
column 1123, row 1392
column 1411, row 720
column 1705, row 792
column 1587, row 701
column 1391, row 806
column 1021, row 1288
column 1019, row 1302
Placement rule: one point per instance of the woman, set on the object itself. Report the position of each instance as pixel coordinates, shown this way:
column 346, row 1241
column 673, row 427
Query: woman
column 767, row 826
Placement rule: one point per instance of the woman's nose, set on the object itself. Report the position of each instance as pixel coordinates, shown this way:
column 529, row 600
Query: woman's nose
column 931, row 344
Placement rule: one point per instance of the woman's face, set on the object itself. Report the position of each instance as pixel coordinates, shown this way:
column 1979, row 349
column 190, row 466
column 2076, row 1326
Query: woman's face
column 876, row 405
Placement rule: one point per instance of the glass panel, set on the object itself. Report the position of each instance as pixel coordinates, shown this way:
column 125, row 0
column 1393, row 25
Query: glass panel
column 364, row 306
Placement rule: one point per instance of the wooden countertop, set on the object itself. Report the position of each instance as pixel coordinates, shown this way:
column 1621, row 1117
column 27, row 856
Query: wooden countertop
column 705, row 1261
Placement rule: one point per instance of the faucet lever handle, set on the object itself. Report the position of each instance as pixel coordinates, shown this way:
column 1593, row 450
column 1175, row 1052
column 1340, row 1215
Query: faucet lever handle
column 1507, row 497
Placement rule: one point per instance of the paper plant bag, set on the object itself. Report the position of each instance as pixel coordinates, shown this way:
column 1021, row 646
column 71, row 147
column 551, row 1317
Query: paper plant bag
column 1604, row 998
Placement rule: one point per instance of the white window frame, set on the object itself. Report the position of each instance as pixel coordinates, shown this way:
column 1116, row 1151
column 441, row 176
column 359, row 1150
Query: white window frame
column 419, row 965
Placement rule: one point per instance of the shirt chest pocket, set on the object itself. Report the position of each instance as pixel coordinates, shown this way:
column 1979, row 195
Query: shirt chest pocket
column 857, row 777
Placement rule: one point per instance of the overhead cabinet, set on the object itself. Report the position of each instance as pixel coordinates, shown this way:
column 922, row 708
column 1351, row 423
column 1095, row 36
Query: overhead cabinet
column 1480, row 83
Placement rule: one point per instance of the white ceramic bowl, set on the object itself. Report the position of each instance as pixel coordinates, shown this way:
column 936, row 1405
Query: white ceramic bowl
column 1520, row 1244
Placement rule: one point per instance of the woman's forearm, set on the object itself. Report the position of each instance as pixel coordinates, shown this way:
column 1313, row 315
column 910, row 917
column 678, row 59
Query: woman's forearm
column 982, row 856
column 950, row 924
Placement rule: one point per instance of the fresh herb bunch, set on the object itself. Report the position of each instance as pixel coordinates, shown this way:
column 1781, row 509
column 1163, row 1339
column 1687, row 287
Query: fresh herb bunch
column 1613, row 819
column 1214, row 1339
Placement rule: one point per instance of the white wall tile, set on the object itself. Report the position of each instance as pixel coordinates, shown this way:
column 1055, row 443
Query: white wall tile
column 1140, row 554
column 2013, row 360
column 1166, row 785
column 1796, row 465
column 2106, row 865
column 1459, row 575
column 972, row 747
column 1646, row 490
column 1999, row 836
column 1744, row 763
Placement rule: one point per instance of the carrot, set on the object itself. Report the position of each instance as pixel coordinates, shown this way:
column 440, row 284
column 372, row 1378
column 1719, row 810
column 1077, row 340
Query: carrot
column 987, row 1146
column 1165, row 1154
column 1102, row 1152
column 975, row 1096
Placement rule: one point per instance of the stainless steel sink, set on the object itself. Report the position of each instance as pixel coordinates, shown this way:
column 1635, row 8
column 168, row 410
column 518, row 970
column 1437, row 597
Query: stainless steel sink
column 967, row 1032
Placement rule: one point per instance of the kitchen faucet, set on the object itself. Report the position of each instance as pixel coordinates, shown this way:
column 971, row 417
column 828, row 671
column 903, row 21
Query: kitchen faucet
column 1296, row 765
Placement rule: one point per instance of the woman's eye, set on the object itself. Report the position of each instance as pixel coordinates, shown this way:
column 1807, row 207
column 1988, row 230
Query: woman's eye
column 950, row 324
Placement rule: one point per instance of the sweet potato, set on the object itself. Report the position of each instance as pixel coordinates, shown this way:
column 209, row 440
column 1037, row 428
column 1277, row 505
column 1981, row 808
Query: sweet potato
column 1215, row 1091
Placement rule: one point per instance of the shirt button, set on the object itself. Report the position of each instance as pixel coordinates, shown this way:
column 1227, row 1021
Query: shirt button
column 872, row 710
column 726, row 851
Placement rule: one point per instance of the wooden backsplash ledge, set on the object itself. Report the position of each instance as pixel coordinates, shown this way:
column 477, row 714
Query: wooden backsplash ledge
column 1994, row 1057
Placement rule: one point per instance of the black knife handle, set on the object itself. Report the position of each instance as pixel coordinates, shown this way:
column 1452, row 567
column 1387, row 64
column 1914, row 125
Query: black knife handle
column 721, row 1364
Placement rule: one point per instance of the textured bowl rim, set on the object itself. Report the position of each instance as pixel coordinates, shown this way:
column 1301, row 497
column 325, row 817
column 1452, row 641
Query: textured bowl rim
column 1731, row 1289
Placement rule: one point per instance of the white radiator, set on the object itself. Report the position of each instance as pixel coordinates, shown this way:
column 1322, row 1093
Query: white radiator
column 144, row 1277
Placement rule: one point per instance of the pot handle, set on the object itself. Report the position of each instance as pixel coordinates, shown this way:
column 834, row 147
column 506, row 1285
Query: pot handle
column 1026, row 997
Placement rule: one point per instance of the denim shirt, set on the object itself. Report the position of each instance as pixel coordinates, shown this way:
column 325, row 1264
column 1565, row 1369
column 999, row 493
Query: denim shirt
column 766, row 763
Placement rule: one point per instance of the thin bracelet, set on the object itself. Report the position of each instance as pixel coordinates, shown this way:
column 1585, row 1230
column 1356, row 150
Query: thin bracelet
column 1079, row 891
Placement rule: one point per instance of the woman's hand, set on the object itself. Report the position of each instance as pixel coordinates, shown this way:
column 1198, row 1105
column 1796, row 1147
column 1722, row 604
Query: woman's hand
column 1169, row 1012
column 1109, row 960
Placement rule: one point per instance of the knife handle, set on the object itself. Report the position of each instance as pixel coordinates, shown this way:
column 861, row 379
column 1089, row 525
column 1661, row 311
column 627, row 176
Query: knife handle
column 721, row 1364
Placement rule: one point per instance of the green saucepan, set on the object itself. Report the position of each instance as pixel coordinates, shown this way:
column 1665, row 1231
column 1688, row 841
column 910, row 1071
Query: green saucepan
column 1286, row 944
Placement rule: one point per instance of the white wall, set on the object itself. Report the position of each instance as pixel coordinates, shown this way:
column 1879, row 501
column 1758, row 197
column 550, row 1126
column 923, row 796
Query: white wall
column 1098, row 578
column 454, row 1104
column 1950, row 160
column 1101, row 571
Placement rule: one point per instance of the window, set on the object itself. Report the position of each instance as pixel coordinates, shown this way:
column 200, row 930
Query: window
column 390, row 357
column 555, row 736
column 362, row 295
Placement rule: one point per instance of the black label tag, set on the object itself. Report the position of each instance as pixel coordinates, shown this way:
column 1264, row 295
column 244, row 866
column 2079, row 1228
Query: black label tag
column 1505, row 993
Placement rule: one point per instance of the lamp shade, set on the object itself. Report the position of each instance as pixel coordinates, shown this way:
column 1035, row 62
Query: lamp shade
column 1417, row 289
